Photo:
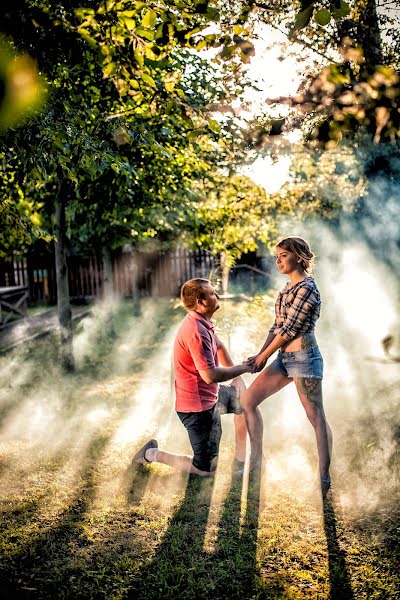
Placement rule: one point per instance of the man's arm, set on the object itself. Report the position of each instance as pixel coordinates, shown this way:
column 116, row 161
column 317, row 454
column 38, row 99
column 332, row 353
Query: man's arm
column 223, row 355
column 226, row 361
column 219, row 374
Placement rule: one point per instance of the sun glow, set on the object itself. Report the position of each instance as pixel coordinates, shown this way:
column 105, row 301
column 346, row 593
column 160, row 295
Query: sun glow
column 277, row 71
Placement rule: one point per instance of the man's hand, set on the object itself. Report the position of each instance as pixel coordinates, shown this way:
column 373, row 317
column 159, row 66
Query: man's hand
column 220, row 374
column 250, row 364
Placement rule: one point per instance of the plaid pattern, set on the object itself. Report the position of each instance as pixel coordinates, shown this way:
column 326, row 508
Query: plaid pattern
column 296, row 309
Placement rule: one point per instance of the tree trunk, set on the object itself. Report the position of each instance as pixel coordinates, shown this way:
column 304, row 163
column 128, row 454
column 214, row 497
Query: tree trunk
column 135, row 291
column 108, row 289
column 63, row 303
column 364, row 30
column 225, row 268
column 368, row 33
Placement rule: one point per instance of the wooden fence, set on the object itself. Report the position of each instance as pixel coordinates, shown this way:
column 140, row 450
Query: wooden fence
column 154, row 274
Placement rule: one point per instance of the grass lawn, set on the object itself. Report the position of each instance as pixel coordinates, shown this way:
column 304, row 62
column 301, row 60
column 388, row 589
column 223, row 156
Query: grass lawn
column 78, row 521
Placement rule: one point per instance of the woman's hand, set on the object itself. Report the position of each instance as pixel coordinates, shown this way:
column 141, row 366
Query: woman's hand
column 257, row 362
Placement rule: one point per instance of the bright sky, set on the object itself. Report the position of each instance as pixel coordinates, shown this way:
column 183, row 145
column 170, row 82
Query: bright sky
column 269, row 175
column 276, row 72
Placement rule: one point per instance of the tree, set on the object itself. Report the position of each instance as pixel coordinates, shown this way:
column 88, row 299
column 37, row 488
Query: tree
column 103, row 65
column 359, row 91
column 22, row 94
column 232, row 216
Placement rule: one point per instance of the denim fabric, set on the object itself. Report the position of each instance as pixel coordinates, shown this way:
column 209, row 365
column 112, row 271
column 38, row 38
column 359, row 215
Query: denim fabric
column 301, row 363
column 228, row 400
column 205, row 430
column 204, row 435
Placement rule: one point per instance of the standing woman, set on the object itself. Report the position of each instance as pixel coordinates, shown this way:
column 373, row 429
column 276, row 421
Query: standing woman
column 297, row 309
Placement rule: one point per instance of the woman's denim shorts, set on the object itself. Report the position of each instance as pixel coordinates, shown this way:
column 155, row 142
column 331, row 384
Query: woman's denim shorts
column 301, row 363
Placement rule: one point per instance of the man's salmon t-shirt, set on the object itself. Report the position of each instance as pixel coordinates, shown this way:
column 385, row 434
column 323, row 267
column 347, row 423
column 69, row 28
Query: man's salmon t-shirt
column 195, row 349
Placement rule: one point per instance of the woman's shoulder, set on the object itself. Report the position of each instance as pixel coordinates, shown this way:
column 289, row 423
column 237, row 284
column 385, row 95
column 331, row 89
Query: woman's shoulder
column 307, row 282
column 310, row 284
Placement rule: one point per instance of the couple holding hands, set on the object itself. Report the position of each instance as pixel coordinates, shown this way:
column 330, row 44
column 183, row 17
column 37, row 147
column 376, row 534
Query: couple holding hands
column 201, row 362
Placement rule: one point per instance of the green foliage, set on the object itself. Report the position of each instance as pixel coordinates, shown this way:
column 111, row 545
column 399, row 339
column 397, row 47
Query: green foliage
column 127, row 130
column 303, row 18
column 22, row 90
column 322, row 16
column 370, row 103
column 232, row 216
column 136, row 42
column 359, row 91
column 346, row 98
column 20, row 216
column 130, row 139
column 324, row 183
column 126, row 138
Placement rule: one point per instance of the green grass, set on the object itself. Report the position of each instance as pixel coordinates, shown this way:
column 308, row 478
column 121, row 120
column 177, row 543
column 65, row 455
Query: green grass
column 78, row 521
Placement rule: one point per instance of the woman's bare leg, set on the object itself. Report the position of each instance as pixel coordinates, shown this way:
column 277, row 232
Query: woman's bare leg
column 240, row 437
column 240, row 424
column 310, row 394
column 267, row 383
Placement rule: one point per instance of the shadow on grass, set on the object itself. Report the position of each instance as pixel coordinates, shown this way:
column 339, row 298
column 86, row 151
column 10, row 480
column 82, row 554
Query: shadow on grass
column 235, row 559
column 180, row 564
column 137, row 480
column 340, row 586
column 184, row 568
column 43, row 567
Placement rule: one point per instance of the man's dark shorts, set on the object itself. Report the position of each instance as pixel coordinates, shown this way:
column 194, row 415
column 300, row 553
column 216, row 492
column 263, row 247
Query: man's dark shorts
column 204, row 428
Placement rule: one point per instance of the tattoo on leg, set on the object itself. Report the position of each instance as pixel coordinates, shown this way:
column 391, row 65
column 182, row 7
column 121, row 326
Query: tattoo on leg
column 311, row 387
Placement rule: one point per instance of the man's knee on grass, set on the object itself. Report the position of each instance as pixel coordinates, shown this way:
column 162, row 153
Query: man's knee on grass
column 204, row 466
column 195, row 471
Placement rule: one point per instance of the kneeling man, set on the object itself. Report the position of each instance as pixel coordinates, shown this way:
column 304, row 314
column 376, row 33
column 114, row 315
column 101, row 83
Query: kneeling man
column 198, row 354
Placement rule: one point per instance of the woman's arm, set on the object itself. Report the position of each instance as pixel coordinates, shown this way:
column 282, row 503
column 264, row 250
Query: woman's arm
column 270, row 338
column 302, row 304
column 259, row 361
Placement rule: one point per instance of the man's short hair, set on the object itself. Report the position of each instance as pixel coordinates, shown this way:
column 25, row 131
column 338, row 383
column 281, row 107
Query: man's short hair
column 191, row 291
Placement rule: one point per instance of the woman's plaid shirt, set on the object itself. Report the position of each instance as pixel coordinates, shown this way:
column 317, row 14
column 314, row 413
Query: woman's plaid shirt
column 297, row 308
